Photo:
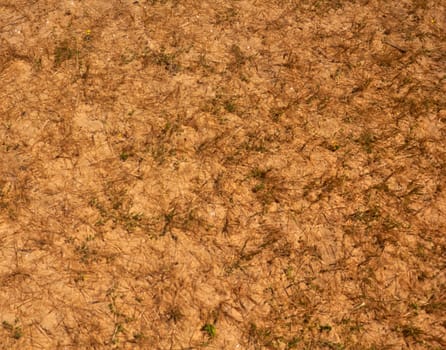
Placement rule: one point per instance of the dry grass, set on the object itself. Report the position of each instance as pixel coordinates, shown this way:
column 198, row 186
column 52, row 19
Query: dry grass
column 222, row 174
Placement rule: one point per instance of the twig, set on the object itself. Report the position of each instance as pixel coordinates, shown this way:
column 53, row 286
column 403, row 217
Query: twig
column 400, row 49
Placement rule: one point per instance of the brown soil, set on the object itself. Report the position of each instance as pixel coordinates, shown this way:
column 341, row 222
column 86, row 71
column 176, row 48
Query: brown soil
column 222, row 174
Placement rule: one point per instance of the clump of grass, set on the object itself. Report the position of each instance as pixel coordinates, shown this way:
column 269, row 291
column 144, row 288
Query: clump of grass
column 228, row 15
column 137, row 337
column 166, row 60
column 210, row 330
column 119, row 328
column 239, row 57
column 14, row 330
column 367, row 140
column 293, row 342
column 259, row 174
column 333, row 147
column 435, row 307
column 131, row 220
column 230, row 106
column 85, row 252
column 367, row 216
column 259, row 336
column 276, row 113
column 410, row 331
column 174, row 314
column 259, row 187
column 63, row 52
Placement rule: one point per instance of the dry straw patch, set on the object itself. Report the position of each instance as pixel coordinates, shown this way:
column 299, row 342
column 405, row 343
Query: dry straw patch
column 222, row 174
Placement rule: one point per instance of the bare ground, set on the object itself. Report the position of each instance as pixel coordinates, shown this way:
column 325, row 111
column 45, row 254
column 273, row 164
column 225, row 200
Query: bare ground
column 222, row 174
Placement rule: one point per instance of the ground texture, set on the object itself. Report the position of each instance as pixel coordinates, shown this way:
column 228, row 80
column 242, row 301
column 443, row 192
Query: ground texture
column 222, row 174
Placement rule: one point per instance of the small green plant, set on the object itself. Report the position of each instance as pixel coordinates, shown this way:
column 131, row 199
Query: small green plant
column 276, row 113
column 410, row 331
column 331, row 345
column 14, row 330
column 168, row 219
column 86, row 254
column 325, row 328
column 239, row 57
column 124, row 156
column 259, row 187
column 367, row 140
column 333, row 147
column 131, row 220
column 259, row 174
column 434, row 307
column 17, row 333
column 260, row 336
column 366, row 216
column 6, row 325
column 210, row 330
column 227, row 16
column 166, row 60
column 137, row 337
column 292, row 343
column 119, row 328
column 37, row 64
column 229, row 106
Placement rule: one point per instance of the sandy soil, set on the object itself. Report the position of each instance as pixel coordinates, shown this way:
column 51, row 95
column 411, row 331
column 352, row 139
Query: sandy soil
column 222, row 174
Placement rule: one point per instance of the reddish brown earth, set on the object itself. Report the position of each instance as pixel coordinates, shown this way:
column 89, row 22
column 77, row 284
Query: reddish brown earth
column 222, row 174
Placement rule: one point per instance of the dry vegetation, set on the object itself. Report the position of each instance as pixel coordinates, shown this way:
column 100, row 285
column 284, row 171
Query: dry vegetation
column 222, row 174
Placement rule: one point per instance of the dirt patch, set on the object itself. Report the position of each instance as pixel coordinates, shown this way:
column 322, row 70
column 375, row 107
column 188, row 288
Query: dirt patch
column 222, row 174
